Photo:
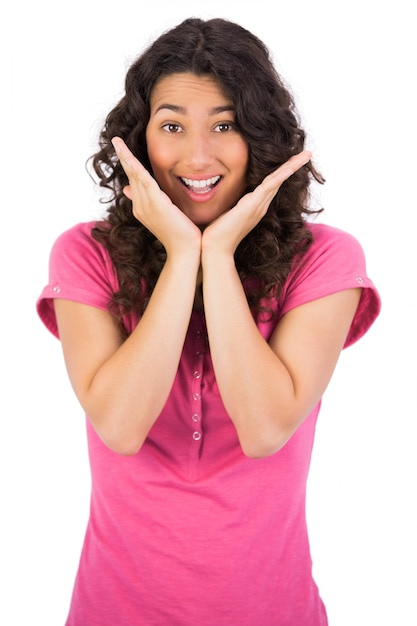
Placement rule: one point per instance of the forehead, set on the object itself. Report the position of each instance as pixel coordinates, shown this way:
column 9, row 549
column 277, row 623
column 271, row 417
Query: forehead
column 184, row 88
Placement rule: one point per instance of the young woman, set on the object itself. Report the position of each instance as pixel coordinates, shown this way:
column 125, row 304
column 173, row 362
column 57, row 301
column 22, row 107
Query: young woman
column 201, row 321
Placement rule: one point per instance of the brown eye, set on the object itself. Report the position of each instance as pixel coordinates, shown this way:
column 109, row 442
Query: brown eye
column 172, row 128
column 224, row 127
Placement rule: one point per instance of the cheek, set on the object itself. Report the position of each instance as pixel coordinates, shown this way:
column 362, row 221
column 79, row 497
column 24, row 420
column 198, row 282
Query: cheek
column 157, row 153
column 157, row 156
column 239, row 157
column 160, row 163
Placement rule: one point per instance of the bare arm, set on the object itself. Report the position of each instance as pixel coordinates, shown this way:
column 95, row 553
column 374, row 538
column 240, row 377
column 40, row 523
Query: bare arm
column 123, row 384
column 267, row 389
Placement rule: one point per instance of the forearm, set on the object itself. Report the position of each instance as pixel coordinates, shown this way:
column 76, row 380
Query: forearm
column 130, row 389
column 255, row 386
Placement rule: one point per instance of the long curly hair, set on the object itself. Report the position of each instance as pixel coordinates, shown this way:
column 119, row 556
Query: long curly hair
column 267, row 119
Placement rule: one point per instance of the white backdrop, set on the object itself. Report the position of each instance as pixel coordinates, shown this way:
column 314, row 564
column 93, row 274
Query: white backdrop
column 352, row 69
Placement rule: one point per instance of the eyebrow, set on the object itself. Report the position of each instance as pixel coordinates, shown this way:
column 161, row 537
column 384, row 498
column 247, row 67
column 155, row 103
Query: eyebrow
column 183, row 110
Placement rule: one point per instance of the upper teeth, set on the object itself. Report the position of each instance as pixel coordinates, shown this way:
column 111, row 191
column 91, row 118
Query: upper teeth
column 200, row 184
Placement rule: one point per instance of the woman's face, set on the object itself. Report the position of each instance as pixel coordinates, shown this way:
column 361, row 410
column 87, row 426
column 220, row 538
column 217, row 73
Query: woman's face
column 197, row 156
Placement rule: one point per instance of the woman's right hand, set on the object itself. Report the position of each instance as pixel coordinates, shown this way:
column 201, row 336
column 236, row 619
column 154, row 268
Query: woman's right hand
column 153, row 208
column 123, row 383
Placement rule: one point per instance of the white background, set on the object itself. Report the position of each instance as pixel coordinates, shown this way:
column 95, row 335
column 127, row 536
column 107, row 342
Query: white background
column 352, row 67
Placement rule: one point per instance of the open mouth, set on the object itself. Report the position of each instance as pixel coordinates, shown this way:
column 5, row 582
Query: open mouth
column 200, row 186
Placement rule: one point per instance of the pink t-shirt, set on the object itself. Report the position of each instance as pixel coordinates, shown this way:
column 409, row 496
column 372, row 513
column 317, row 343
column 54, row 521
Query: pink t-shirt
column 189, row 531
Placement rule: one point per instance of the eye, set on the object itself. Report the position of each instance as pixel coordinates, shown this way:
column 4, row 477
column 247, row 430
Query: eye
column 172, row 128
column 224, row 127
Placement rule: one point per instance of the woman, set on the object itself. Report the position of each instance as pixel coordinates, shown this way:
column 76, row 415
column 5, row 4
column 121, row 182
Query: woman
column 201, row 321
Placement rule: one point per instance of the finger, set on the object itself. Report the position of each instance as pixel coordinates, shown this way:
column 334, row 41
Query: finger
column 123, row 151
column 264, row 193
column 131, row 165
column 295, row 162
column 288, row 168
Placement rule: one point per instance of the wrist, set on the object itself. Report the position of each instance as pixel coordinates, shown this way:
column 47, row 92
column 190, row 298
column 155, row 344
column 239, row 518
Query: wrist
column 217, row 260
column 185, row 259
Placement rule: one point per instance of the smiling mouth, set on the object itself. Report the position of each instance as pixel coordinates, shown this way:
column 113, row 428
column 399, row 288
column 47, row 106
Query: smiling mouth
column 200, row 186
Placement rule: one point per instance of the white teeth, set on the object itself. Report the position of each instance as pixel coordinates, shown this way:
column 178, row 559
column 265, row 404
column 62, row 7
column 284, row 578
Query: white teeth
column 200, row 184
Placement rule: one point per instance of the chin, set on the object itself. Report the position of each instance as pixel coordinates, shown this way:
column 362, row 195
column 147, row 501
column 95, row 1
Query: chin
column 203, row 218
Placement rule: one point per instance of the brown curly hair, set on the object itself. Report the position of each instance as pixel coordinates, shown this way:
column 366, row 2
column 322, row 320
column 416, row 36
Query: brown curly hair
column 267, row 119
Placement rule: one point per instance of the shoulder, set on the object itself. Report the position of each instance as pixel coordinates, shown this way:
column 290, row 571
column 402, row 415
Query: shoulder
column 80, row 269
column 334, row 262
column 333, row 255
column 78, row 237
column 327, row 238
column 77, row 251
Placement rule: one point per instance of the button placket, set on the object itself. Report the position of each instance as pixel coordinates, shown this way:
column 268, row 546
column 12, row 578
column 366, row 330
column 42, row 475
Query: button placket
column 197, row 377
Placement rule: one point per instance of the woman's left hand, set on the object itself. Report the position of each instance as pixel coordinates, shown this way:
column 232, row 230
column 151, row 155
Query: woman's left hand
column 228, row 230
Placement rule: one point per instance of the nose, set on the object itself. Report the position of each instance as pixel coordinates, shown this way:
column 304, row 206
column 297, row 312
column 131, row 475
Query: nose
column 198, row 151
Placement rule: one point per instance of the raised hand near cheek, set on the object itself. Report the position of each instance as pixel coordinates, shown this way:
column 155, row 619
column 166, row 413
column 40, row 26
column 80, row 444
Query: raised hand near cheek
column 273, row 181
column 152, row 207
column 229, row 229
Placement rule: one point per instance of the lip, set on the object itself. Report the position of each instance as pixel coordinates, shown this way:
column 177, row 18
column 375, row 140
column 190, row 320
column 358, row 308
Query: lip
column 200, row 194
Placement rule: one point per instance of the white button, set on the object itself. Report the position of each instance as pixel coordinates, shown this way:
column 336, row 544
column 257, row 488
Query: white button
column 196, row 374
column 196, row 396
column 196, row 436
column 195, row 417
column 56, row 289
column 359, row 279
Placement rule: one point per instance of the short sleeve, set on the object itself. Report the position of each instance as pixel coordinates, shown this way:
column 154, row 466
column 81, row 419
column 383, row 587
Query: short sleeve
column 79, row 270
column 334, row 262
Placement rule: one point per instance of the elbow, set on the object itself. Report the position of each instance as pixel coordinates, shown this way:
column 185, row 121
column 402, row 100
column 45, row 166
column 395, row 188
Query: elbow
column 265, row 442
column 259, row 452
column 260, row 448
column 119, row 440
column 122, row 432
column 125, row 449
column 122, row 446
column 262, row 438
